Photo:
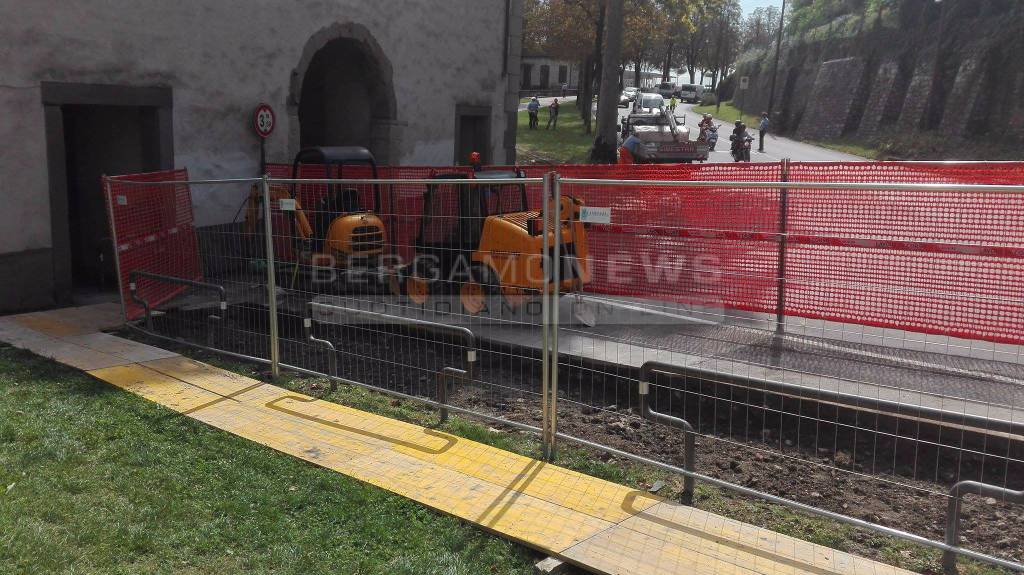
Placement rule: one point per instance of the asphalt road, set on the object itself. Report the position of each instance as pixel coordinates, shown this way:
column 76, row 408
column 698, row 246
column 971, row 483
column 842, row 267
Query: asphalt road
column 775, row 147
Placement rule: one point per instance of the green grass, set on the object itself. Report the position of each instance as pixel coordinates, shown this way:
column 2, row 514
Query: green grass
column 729, row 113
column 95, row 480
column 853, row 146
column 566, row 145
column 105, row 482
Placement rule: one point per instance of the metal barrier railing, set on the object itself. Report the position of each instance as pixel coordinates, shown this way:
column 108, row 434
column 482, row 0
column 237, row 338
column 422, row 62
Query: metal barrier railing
column 134, row 276
column 956, row 496
column 444, row 377
column 580, row 368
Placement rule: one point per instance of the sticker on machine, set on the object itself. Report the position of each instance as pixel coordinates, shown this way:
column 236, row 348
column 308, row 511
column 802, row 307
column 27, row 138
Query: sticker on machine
column 591, row 215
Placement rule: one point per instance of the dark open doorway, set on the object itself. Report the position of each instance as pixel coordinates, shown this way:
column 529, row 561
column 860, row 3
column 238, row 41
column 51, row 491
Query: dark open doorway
column 343, row 93
column 91, row 131
column 101, row 140
column 472, row 133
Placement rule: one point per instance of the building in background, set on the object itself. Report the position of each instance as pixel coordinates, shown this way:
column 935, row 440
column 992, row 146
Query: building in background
column 649, row 77
column 137, row 86
column 544, row 74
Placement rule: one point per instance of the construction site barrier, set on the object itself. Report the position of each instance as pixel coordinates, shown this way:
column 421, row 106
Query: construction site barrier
column 153, row 230
column 740, row 257
column 873, row 256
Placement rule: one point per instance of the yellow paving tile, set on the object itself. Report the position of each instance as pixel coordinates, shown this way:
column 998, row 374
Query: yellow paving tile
column 74, row 355
column 691, row 540
column 371, row 457
column 501, row 509
column 201, row 375
column 97, row 317
column 64, row 322
column 51, row 324
column 156, row 387
column 551, row 483
column 127, row 349
column 319, row 445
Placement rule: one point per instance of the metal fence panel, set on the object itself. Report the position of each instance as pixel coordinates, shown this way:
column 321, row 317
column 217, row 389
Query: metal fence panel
column 873, row 427
column 849, row 350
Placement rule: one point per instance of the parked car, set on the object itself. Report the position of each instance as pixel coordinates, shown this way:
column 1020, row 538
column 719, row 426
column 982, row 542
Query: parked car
column 631, row 92
column 666, row 89
column 693, row 93
column 624, row 100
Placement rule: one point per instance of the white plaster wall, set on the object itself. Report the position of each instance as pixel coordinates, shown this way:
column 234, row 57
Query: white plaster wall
column 221, row 58
column 537, row 62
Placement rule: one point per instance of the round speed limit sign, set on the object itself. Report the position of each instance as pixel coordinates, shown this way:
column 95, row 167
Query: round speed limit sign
column 263, row 120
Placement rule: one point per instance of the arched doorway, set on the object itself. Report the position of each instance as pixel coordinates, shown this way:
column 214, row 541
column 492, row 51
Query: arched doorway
column 342, row 92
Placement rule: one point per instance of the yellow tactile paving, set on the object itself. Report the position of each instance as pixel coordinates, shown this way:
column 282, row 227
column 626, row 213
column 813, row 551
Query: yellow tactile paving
column 549, row 483
column 601, row 526
column 690, row 538
column 127, row 349
column 51, row 326
column 201, row 375
column 72, row 321
column 156, row 387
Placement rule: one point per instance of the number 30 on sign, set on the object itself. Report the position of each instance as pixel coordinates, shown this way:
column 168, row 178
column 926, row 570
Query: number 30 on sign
column 263, row 120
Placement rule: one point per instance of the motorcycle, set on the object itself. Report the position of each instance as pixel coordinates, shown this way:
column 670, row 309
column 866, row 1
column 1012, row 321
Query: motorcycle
column 710, row 136
column 741, row 150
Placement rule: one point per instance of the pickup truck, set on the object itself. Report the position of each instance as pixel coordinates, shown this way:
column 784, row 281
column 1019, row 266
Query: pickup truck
column 664, row 141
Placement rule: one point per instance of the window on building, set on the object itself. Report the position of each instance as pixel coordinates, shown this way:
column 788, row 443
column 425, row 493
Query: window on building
column 527, row 81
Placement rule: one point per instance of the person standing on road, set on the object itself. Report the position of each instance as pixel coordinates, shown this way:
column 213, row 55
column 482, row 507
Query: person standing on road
column 532, row 109
column 553, row 115
column 762, row 128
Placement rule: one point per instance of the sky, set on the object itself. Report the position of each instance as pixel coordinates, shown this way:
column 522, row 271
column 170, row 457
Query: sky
column 750, row 5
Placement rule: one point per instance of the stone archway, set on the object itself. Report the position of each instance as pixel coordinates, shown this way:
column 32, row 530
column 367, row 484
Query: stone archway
column 342, row 94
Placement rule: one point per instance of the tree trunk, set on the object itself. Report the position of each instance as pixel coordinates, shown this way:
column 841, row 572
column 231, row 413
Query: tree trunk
column 608, row 103
column 594, row 71
column 585, row 98
column 581, row 77
column 638, row 74
column 667, row 67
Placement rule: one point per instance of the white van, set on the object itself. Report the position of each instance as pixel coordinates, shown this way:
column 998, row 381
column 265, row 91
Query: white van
column 693, row 93
column 666, row 89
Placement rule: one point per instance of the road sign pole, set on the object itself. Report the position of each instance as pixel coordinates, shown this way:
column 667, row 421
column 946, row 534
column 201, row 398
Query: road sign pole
column 263, row 121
